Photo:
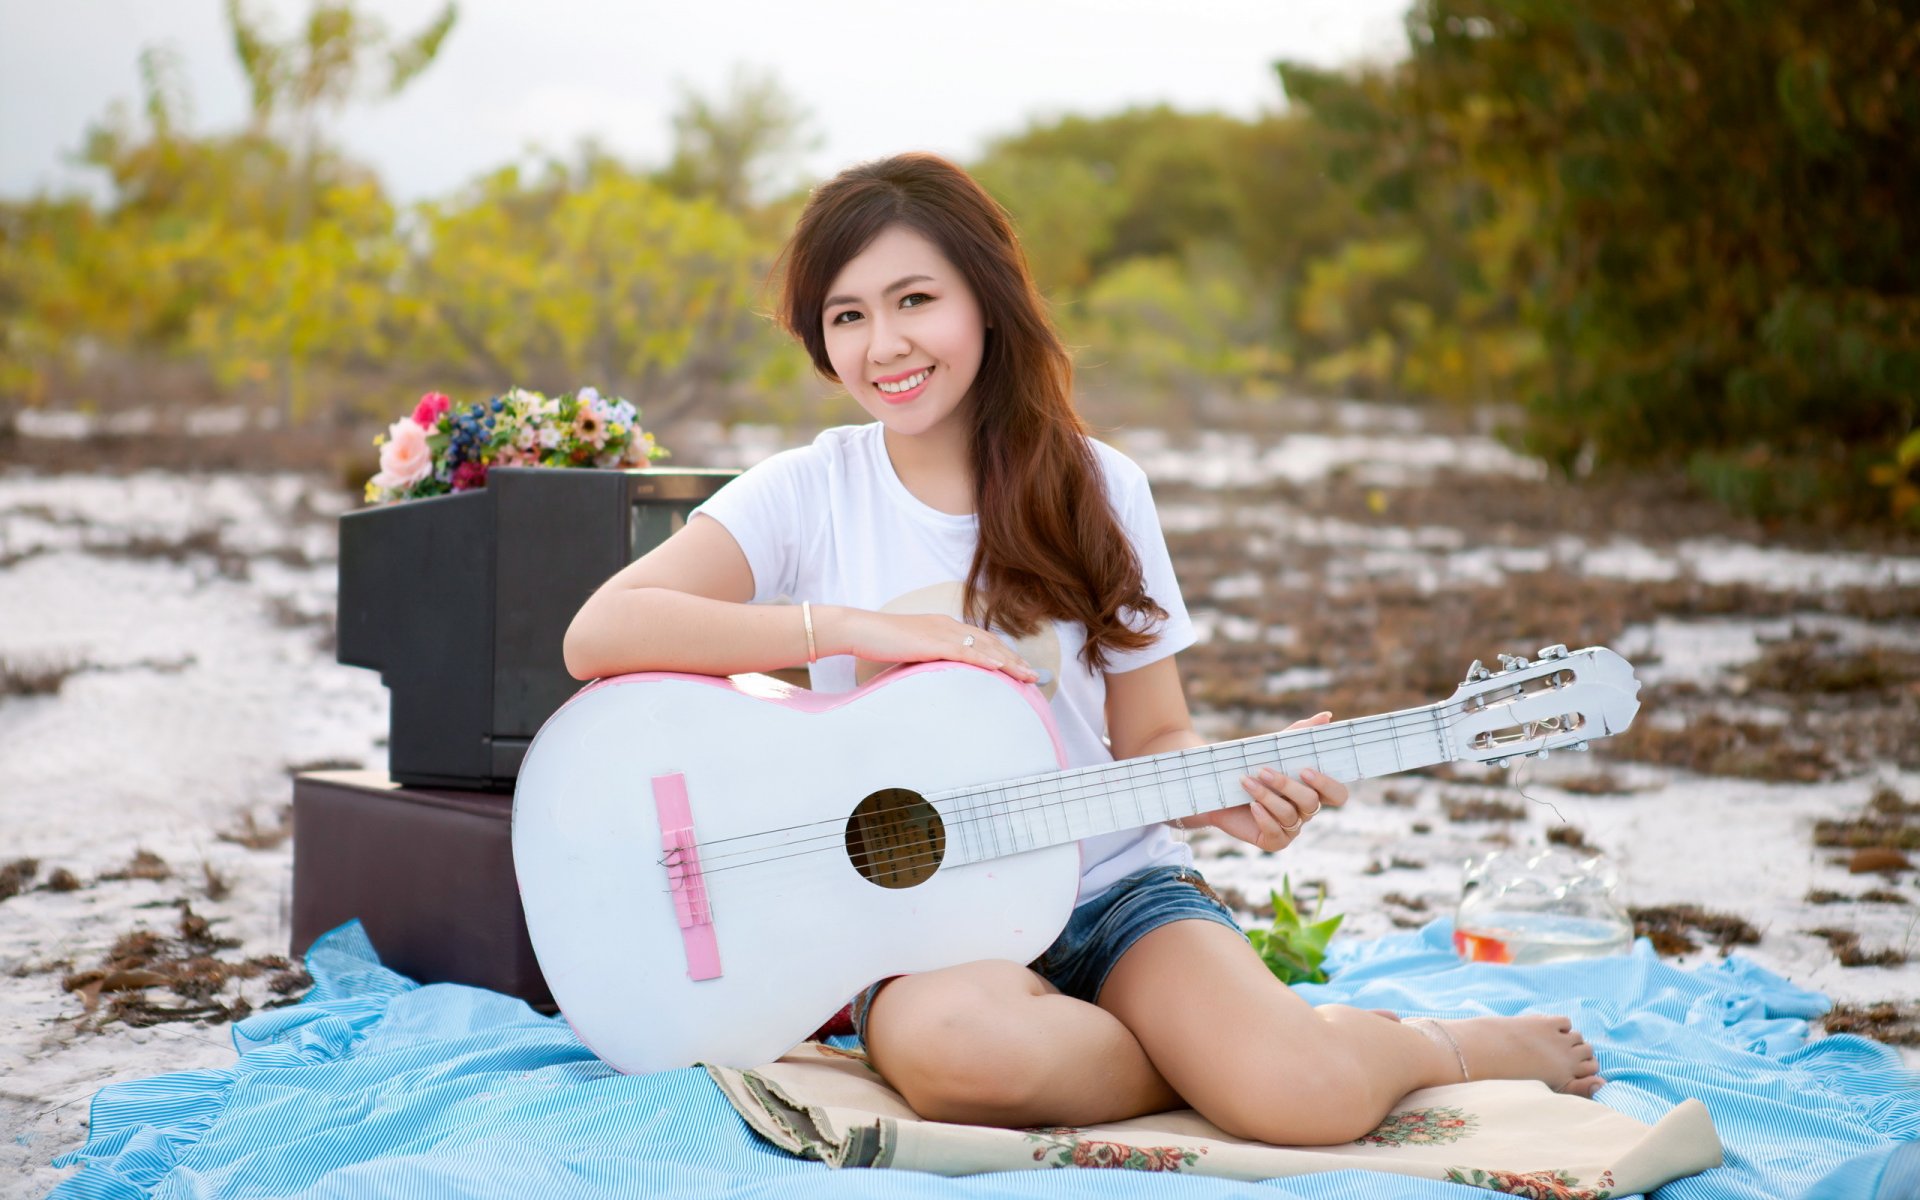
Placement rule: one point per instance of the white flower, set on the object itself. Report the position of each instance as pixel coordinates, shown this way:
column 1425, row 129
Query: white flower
column 587, row 395
column 549, row 437
column 404, row 458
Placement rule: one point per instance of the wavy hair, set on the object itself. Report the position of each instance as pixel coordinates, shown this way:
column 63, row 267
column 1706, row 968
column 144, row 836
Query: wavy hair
column 1049, row 543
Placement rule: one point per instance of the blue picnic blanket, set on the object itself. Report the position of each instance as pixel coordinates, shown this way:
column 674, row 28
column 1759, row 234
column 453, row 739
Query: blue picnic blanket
column 377, row 1086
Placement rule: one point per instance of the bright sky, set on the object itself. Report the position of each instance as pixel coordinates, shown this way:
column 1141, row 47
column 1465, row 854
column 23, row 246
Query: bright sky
column 877, row 76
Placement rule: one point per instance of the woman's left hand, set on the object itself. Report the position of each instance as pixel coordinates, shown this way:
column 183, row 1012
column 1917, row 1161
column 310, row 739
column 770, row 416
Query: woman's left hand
column 1281, row 805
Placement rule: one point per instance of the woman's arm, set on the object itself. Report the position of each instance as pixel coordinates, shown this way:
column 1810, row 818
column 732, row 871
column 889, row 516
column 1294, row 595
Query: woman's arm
column 683, row 607
column 1147, row 714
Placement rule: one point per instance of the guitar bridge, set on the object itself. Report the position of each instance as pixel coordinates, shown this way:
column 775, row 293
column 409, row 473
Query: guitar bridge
column 681, row 857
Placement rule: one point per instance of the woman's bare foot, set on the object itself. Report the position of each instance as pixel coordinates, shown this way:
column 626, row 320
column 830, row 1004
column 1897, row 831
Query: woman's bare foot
column 1546, row 1048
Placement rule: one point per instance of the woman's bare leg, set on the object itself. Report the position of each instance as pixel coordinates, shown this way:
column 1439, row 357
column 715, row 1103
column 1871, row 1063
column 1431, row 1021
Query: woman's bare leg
column 992, row 1043
column 1258, row 1061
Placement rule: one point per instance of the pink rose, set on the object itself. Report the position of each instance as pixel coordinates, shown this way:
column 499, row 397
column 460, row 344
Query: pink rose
column 428, row 411
column 404, row 458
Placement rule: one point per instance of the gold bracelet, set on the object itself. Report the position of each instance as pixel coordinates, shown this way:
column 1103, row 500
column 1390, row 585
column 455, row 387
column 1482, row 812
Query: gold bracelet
column 806, row 615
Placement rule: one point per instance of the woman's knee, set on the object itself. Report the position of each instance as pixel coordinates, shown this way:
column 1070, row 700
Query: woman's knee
column 951, row 1041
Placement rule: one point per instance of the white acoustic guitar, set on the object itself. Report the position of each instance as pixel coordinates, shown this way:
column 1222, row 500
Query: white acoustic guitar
column 711, row 867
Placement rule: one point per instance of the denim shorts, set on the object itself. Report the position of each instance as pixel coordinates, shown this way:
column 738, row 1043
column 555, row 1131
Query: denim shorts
column 1104, row 928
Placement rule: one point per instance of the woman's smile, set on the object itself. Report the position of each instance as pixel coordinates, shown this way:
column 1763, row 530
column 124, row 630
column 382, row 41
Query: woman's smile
column 898, row 389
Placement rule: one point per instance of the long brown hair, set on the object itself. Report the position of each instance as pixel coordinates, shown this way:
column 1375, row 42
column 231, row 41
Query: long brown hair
column 1049, row 545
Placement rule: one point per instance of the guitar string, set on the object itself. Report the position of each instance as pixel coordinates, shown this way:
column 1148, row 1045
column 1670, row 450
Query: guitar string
column 1100, row 783
column 1096, row 780
column 1159, row 782
column 1399, row 721
column 921, row 858
column 1107, row 787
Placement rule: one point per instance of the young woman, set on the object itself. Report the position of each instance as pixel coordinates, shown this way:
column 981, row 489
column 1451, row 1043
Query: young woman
column 975, row 520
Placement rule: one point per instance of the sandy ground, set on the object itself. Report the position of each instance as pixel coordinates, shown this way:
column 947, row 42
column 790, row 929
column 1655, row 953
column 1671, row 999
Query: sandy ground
column 166, row 655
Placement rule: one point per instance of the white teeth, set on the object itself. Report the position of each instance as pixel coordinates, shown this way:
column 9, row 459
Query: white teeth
column 905, row 385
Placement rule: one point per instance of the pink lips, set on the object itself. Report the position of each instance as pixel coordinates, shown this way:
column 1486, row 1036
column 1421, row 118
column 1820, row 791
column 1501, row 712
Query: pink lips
column 903, row 397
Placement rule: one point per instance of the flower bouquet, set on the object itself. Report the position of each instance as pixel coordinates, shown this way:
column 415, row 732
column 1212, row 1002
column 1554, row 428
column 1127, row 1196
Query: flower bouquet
column 440, row 449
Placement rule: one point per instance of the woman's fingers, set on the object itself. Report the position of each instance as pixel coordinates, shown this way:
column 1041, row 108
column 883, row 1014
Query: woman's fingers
column 1300, row 801
column 990, row 652
column 1272, row 835
column 1281, row 806
column 1326, row 787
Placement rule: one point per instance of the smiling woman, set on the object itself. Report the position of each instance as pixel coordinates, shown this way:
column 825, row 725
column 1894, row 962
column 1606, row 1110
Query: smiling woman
column 975, row 520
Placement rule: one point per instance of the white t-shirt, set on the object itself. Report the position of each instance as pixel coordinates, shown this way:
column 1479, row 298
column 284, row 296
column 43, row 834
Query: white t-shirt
column 833, row 524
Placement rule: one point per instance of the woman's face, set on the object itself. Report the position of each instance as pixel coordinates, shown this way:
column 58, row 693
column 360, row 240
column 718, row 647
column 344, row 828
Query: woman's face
column 904, row 332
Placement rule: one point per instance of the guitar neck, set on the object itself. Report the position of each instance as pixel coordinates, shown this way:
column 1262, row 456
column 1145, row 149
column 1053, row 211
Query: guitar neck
column 1016, row 815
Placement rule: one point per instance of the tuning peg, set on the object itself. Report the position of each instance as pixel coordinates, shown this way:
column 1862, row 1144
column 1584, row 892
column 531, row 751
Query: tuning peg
column 1512, row 662
column 1557, row 650
column 1477, row 672
column 1579, row 746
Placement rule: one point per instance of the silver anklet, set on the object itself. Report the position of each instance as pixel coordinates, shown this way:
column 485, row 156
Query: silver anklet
column 1439, row 1034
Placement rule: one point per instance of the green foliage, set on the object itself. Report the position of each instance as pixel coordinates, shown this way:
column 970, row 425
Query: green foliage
column 596, row 274
column 277, row 267
column 1682, row 235
column 1179, row 325
column 1901, row 478
column 1293, row 948
column 740, row 149
column 1731, row 273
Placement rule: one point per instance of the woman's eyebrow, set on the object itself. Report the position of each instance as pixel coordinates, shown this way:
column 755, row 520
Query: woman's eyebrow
column 889, row 290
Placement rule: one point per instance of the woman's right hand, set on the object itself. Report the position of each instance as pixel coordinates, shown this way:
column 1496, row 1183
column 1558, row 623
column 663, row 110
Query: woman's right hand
column 915, row 637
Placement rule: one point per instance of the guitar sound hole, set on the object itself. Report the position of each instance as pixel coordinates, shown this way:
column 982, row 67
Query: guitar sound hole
column 895, row 838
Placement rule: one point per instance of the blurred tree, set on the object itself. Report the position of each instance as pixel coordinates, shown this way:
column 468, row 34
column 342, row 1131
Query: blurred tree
column 593, row 275
column 340, row 55
column 741, row 150
column 1185, row 327
column 1729, row 271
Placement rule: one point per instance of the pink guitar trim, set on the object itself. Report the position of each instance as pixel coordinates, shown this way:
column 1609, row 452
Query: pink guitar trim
column 803, row 700
column 683, row 875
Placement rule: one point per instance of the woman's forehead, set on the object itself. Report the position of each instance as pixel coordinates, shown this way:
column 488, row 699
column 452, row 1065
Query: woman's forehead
column 898, row 256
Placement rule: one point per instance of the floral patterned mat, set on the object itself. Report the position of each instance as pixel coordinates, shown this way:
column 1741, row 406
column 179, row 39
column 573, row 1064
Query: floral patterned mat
column 1509, row 1136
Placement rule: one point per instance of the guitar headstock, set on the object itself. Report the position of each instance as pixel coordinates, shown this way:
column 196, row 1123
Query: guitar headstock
column 1561, row 699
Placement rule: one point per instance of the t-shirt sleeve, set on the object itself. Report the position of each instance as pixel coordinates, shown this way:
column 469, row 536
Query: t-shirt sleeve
column 765, row 508
column 1133, row 504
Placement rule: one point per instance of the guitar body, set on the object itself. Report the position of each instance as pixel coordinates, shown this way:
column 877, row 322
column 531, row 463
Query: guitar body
column 769, row 901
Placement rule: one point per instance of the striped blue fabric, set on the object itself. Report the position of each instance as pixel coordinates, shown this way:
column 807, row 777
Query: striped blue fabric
column 376, row 1087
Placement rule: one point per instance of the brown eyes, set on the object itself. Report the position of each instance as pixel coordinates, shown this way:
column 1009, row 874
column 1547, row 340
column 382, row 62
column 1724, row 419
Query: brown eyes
column 910, row 300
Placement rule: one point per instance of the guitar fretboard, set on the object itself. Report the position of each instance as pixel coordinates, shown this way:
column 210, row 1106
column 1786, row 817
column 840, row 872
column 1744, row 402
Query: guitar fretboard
column 1017, row 815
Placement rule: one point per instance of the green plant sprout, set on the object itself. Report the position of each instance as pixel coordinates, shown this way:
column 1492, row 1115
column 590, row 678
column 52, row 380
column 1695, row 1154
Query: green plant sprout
column 1293, row 949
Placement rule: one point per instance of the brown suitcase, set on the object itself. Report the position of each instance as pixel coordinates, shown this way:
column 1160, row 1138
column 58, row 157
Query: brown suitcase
column 428, row 871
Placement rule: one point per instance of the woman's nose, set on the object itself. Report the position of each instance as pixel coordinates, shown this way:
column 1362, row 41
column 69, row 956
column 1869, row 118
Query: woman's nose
column 887, row 341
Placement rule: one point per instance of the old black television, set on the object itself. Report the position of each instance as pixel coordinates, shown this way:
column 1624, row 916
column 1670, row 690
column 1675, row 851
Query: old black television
column 461, row 602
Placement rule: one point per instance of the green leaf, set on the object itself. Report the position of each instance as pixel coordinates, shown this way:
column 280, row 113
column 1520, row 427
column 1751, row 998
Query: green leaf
column 1292, row 948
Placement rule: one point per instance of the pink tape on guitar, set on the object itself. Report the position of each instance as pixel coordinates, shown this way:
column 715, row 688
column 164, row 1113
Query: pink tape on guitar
column 689, row 888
